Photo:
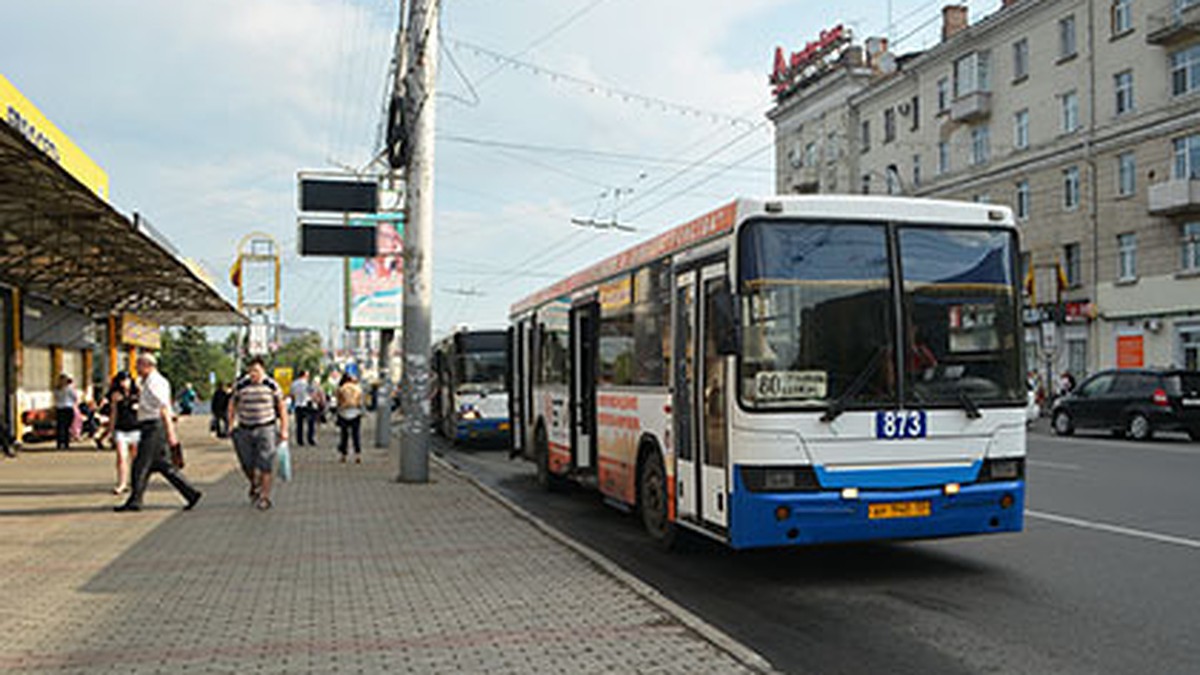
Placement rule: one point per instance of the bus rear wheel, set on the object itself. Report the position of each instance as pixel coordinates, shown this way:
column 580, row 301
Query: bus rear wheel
column 653, row 501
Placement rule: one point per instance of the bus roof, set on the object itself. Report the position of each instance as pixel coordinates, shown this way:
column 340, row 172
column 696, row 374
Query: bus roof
column 723, row 219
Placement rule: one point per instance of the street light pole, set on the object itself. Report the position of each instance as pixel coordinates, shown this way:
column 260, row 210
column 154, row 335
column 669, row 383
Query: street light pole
column 418, row 241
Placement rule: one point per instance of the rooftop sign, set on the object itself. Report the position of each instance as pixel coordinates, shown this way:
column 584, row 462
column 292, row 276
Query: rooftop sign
column 816, row 57
column 22, row 115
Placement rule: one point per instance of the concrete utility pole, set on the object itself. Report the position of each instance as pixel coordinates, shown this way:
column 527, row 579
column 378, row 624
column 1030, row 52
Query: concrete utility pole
column 383, row 402
column 418, row 241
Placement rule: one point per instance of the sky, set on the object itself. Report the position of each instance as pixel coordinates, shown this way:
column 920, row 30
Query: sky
column 646, row 112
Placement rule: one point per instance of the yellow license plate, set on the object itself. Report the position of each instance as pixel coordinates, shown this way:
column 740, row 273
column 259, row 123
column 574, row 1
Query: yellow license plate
column 899, row 510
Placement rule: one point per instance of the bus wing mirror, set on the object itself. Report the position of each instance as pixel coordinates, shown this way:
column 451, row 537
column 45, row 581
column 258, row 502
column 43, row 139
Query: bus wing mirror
column 725, row 323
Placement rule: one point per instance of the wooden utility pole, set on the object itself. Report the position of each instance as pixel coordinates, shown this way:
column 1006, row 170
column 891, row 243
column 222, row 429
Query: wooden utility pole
column 418, row 240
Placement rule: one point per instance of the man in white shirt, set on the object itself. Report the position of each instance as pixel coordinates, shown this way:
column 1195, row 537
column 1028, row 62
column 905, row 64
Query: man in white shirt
column 158, row 433
column 306, row 415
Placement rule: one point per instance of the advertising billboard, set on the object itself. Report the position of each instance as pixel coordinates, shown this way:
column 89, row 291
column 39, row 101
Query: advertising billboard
column 375, row 286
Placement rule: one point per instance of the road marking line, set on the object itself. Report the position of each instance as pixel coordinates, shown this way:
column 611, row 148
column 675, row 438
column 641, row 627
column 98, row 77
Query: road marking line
column 1114, row 529
column 1117, row 444
column 1054, row 465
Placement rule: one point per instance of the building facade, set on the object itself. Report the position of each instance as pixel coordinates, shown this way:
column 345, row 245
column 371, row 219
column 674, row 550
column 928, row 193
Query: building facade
column 1081, row 115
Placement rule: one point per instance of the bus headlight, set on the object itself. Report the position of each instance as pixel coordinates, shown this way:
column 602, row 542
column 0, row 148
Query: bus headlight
column 469, row 414
column 1002, row 469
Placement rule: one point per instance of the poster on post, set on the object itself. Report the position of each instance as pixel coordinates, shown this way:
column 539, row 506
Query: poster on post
column 375, row 286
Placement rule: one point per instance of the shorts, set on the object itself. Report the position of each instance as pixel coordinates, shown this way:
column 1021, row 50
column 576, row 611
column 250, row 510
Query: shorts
column 256, row 447
column 127, row 438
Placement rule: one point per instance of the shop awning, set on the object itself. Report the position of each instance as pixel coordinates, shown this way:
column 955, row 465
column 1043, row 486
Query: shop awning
column 61, row 241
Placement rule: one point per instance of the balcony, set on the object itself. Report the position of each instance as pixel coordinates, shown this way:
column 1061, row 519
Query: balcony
column 1174, row 27
column 1175, row 196
column 974, row 106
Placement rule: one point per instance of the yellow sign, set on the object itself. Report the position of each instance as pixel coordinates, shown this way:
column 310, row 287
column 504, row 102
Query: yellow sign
column 139, row 332
column 283, row 377
column 23, row 115
column 616, row 294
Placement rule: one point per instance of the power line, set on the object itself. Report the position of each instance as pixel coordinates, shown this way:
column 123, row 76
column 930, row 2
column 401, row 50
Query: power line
column 543, row 38
column 596, row 88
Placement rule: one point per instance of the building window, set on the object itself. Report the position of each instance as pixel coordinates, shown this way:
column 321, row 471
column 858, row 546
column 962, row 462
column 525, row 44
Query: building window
column 915, row 111
column 1187, row 157
column 1020, row 50
column 1021, row 129
column 980, row 145
column 810, row 155
column 1123, row 85
column 1190, row 248
column 1070, row 188
column 943, row 94
column 943, row 163
column 1071, row 265
column 1126, row 174
column 866, row 136
column 1185, row 70
column 1122, row 16
column 982, row 198
column 1077, row 357
column 971, row 74
column 1126, row 256
column 916, row 171
column 1189, row 344
column 1066, row 37
column 891, row 178
column 866, row 184
column 889, row 125
column 1023, row 198
column 1069, row 103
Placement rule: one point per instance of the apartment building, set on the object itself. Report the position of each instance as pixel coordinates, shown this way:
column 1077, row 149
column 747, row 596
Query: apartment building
column 1081, row 115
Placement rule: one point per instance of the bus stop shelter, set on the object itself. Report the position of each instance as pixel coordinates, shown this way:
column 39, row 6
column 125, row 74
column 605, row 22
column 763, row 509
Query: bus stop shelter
column 70, row 262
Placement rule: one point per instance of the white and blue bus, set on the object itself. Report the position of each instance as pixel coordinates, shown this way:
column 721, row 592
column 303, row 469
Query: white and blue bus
column 791, row 370
column 471, row 386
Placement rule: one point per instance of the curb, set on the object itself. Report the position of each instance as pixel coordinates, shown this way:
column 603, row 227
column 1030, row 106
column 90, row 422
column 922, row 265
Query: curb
column 711, row 634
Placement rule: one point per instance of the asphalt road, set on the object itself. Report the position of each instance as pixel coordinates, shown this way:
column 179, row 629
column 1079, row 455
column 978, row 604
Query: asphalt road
column 1104, row 579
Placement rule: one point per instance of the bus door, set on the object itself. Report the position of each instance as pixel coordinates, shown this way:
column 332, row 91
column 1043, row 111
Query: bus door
column 516, row 387
column 585, row 325
column 712, row 402
column 684, row 351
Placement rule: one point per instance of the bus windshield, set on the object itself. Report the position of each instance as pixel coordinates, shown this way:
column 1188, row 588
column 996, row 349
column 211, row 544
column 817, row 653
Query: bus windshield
column 817, row 312
column 483, row 371
column 819, row 315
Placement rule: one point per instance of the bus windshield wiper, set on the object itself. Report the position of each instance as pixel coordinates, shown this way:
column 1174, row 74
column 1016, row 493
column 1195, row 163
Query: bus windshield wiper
column 838, row 406
column 969, row 405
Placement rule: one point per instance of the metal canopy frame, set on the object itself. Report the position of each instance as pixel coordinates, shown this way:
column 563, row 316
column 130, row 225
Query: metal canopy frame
column 61, row 241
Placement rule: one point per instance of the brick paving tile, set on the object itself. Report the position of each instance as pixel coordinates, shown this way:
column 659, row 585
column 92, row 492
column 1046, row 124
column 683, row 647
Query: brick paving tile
column 350, row 572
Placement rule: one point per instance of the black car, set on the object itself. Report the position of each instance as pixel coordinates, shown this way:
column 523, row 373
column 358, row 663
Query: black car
column 1134, row 403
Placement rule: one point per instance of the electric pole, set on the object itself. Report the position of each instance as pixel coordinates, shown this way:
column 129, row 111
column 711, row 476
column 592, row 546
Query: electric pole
column 418, row 240
column 383, row 402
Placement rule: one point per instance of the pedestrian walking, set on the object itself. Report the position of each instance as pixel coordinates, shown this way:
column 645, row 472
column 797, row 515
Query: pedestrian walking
column 123, row 425
column 156, row 431
column 258, row 408
column 66, row 404
column 220, row 410
column 349, row 414
column 306, row 414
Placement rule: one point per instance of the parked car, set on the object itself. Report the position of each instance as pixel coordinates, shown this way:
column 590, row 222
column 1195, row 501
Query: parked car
column 1133, row 403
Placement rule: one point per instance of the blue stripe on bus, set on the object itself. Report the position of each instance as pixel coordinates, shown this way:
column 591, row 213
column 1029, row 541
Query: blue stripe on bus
column 898, row 477
column 825, row 517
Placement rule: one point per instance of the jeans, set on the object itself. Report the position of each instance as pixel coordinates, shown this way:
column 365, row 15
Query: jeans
column 306, row 425
column 64, row 418
column 350, row 430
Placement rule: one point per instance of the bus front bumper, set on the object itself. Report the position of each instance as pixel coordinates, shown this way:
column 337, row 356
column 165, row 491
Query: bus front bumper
column 480, row 429
column 763, row 519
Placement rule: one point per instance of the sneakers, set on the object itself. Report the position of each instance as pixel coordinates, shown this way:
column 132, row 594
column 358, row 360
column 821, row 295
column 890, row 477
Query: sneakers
column 263, row 503
column 127, row 506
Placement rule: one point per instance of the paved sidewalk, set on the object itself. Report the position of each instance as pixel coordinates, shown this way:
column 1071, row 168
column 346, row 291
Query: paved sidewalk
column 350, row 572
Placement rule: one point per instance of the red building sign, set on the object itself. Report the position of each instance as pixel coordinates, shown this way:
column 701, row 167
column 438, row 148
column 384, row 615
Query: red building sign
column 791, row 72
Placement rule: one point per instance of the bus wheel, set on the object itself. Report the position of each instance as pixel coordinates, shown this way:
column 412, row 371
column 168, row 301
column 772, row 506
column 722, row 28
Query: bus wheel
column 541, row 450
column 653, row 499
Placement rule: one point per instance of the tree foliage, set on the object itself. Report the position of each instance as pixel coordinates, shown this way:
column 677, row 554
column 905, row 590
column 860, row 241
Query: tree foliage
column 303, row 353
column 188, row 356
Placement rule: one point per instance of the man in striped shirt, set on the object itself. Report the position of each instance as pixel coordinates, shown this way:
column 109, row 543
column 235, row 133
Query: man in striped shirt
column 261, row 421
